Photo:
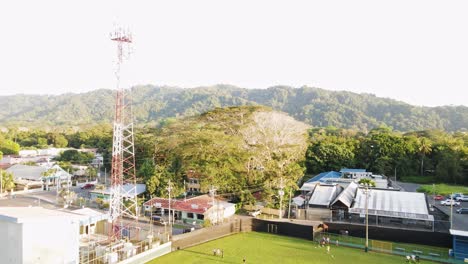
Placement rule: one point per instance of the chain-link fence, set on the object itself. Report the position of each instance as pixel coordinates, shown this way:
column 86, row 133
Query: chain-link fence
column 438, row 254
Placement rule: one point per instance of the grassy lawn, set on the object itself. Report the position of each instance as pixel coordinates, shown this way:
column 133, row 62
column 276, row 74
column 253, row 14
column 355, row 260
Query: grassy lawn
column 443, row 189
column 418, row 179
column 267, row 248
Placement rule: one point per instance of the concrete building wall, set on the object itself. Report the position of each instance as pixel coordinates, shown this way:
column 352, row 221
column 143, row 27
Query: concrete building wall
column 54, row 241
column 11, row 243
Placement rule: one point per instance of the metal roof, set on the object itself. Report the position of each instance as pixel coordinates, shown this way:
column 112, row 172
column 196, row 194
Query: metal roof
column 454, row 232
column 198, row 205
column 352, row 170
column 21, row 171
column 392, row 204
column 36, row 215
column 128, row 190
column 347, row 195
column 324, row 175
column 324, row 194
column 308, row 186
column 34, row 173
column 90, row 216
column 298, row 200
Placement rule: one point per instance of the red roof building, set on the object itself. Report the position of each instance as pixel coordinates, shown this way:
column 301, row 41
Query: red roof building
column 191, row 210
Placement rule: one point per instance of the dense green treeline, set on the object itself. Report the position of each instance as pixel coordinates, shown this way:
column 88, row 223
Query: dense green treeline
column 243, row 149
column 429, row 153
column 152, row 105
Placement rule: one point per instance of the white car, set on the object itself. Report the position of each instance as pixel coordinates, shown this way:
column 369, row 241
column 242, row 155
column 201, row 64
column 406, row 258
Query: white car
column 450, row 202
column 463, row 198
column 255, row 213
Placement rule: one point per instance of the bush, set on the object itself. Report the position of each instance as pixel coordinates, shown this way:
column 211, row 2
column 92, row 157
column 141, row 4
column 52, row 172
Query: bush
column 442, row 189
column 207, row 223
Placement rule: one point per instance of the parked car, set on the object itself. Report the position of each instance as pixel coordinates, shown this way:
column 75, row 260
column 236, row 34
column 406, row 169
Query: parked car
column 463, row 198
column 87, row 186
column 158, row 220
column 462, row 211
column 439, row 197
column 454, row 196
column 450, row 202
column 255, row 213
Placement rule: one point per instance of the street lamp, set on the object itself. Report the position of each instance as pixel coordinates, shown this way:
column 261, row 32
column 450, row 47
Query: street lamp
column 366, row 192
column 281, row 193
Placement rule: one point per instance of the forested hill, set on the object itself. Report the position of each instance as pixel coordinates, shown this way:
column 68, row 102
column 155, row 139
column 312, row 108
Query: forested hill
column 314, row 106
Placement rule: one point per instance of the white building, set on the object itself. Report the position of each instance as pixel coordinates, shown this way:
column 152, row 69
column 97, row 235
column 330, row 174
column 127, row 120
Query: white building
column 37, row 235
column 128, row 191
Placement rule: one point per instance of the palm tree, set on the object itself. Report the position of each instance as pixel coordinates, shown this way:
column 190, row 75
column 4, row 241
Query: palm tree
column 7, row 181
column 425, row 147
column 366, row 182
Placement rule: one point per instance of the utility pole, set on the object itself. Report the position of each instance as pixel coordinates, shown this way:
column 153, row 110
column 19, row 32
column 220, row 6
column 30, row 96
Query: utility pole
column 212, row 192
column 185, row 192
column 169, row 189
column 289, row 206
column 367, row 218
column 451, row 211
column 281, row 193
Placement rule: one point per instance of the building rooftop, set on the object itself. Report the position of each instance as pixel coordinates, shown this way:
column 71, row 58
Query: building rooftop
column 324, row 175
column 28, row 172
column 34, row 214
column 323, row 195
column 455, row 232
column 352, row 170
column 199, row 204
column 346, row 197
column 409, row 205
column 128, row 190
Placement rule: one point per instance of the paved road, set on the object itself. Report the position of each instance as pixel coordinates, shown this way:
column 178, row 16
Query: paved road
column 23, row 201
column 408, row 187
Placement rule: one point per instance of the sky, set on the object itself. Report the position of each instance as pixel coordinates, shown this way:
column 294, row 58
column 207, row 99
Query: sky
column 415, row 51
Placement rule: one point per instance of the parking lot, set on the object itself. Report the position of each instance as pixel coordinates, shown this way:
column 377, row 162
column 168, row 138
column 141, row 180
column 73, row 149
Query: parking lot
column 460, row 221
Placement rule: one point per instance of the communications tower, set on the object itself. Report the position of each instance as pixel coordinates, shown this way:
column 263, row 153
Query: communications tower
column 123, row 200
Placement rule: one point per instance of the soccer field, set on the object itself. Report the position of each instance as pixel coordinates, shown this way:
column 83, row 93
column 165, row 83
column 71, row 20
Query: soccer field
column 266, row 248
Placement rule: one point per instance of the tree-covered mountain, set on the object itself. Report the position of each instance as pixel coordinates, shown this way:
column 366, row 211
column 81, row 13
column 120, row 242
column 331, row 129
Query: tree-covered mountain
column 152, row 105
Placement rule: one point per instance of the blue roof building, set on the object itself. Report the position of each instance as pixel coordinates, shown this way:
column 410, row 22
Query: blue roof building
column 460, row 244
column 325, row 175
column 343, row 170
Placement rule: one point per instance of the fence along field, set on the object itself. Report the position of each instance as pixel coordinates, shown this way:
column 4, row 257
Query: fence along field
column 256, row 247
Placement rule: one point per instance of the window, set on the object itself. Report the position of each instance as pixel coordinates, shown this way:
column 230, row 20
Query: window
column 190, row 215
column 200, row 216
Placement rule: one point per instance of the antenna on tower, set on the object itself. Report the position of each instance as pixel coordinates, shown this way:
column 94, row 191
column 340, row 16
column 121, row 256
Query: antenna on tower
column 123, row 179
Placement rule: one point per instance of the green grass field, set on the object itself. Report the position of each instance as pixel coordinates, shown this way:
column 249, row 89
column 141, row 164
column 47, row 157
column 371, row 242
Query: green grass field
column 443, row 189
column 267, row 248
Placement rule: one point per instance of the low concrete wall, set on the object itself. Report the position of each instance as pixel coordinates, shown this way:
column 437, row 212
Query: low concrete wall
column 28, row 191
column 149, row 254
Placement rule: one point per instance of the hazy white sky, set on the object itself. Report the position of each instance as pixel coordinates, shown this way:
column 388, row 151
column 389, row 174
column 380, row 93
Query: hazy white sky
column 411, row 50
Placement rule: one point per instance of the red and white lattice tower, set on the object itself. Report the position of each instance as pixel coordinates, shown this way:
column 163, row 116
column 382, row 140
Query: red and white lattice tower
column 123, row 181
